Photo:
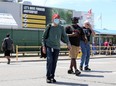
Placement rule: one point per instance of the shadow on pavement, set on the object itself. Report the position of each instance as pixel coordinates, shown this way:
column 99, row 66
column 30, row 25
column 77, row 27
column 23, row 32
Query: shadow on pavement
column 86, row 75
column 99, row 71
column 70, row 84
column 13, row 64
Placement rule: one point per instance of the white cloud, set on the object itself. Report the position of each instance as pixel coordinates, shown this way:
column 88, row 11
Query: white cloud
column 64, row 2
column 56, row 2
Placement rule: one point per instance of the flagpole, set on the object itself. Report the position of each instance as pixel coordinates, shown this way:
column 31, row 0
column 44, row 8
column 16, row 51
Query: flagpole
column 100, row 35
column 101, row 20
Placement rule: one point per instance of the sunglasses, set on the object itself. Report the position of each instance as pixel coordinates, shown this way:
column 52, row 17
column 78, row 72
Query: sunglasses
column 88, row 24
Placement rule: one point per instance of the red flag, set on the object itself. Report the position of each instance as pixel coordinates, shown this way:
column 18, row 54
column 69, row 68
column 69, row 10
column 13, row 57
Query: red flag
column 89, row 14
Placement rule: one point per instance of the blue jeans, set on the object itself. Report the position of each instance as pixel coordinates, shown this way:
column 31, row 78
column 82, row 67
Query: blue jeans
column 52, row 57
column 85, row 48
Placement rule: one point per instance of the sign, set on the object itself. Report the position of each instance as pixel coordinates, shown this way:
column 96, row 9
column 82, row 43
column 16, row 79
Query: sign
column 37, row 17
column 33, row 17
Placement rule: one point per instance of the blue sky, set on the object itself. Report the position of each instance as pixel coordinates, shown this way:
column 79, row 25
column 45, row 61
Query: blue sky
column 105, row 7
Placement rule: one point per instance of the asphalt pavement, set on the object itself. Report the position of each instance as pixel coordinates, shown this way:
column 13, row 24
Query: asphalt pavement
column 31, row 71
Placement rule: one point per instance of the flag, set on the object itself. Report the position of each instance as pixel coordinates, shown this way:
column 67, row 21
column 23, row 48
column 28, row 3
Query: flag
column 89, row 13
column 99, row 17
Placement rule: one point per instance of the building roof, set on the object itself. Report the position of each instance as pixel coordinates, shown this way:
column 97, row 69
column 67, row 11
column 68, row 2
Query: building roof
column 105, row 31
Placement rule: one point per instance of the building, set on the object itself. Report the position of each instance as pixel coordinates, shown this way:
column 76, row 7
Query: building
column 26, row 23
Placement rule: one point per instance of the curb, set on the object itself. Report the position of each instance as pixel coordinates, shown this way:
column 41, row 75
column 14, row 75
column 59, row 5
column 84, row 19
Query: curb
column 44, row 59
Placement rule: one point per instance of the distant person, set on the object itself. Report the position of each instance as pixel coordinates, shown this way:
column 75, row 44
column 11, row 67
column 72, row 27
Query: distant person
column 51, row 45
column 94, row 48
column 106, row 43
column 111, row 47
column 85, row 46
column 74, row 32
column 110, row 44
column 106, row 46
column 7, row 47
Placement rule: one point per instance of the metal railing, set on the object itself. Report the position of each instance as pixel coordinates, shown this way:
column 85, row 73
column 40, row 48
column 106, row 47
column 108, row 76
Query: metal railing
column 109, row 50
column 63, row 50
column 24, row 47
column 104, row 50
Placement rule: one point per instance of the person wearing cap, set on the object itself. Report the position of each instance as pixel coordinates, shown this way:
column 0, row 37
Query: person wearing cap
column 51, row 45
column 74, row 32
column 7, row 47
column 85, row 47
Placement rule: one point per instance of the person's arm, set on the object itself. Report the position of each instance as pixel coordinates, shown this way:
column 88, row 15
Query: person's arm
column 13, row 47
column 70, row 33
column 2, row 47
column 92, row 31
column 44, row 35
column 73, row 34
column 43, row 39
column 83, row 35
column 65, row 39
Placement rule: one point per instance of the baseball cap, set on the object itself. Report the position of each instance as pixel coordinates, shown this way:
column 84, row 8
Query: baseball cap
column 75, row 18
column 86, row 22
column 55, row 16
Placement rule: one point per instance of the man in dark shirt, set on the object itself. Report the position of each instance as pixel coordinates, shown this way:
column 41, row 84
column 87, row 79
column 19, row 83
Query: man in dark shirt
column 7, row 47
column 74, row 33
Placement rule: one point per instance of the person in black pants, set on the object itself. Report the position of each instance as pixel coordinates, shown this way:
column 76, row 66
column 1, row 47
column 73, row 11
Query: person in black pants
column 51, row 46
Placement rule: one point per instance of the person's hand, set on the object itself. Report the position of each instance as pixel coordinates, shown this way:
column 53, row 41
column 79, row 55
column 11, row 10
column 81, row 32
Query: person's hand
column 86, row 41
column 13, row 50
column 44, row 49
column 74, row 34
column 69, row 46
column 89, row 25
column 1, row 49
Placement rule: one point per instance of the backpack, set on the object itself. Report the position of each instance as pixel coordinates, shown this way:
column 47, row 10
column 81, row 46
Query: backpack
column 41, row 49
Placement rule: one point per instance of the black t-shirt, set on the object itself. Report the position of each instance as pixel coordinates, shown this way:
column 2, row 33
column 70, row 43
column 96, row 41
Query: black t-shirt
column 8, row 43
column 87, row 33
column 74, row 28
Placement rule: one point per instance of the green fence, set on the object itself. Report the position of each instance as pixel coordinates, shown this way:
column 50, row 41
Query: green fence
column 23, row 37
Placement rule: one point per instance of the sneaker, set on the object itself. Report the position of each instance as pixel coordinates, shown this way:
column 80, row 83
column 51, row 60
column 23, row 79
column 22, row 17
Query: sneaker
column 81, row 68
column 48, row 80
column 77, row 72
column 70, row 71
column 53, row 80
column 8, row 61
column 87, row 69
